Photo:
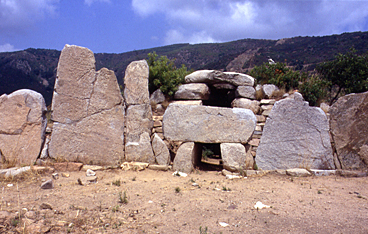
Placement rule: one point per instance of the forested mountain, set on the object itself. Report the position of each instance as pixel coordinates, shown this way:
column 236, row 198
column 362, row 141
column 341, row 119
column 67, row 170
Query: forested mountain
column 36, row 68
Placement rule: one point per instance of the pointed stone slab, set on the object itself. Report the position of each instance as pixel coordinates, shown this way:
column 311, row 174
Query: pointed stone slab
column 295, row 136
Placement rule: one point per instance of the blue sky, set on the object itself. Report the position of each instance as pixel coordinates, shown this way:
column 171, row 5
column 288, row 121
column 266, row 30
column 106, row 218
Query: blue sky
column 113, row 26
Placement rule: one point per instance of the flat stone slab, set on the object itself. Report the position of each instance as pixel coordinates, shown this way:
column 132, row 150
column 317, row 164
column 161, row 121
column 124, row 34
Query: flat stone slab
column 299, row 172
column 207, row 124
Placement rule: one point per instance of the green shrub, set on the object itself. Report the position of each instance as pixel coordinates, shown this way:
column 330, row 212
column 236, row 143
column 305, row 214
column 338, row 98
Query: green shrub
column 164, row 75
column 278, row 74
column 314, row 90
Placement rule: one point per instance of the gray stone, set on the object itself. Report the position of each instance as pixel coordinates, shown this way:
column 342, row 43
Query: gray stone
column 159, row 167
column 245, row 92
column 269, row 89
column 193, row 102
column 136, row 83
column 160, row 150
column 295, row 135
column 157, row 96
column 245, row 103
column 87, row 110
column 186, row 157
column 138, row 121
column 317, row 172
column 208, row 124
column 233, row 156
column 16, row 171
column 348, row 123
column 49, row 184
column 90, row 172
column 298, row 172
column 224, row 86
column 215, row 77
column 22, row 126
column 140, row 151
column 193, row 92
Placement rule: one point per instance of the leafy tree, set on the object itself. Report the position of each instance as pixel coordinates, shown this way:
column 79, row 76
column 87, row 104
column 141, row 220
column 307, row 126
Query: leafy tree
column 278, row 74
column 164, row 75
column 348, row 72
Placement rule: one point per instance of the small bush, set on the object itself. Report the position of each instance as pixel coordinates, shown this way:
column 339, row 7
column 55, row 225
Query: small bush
column 177, row 190
column 123, row 198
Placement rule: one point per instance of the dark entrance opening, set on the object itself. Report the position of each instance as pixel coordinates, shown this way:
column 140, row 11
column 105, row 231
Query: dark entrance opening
column 210, row 157
column 221, row 95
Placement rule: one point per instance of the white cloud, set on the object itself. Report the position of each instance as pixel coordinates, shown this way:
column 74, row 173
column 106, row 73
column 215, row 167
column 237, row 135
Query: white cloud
column 216, row 20
column 7, row 48
column 17, row 15
column 90, row 2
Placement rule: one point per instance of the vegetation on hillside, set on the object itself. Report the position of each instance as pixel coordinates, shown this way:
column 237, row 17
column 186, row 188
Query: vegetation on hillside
column 347, row 73
column 164, row 75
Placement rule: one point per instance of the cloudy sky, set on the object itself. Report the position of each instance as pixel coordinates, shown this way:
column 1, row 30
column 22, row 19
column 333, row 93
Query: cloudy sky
column 115, row 26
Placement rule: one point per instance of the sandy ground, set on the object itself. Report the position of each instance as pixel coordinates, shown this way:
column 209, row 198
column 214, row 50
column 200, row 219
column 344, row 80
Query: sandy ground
column 158, row 202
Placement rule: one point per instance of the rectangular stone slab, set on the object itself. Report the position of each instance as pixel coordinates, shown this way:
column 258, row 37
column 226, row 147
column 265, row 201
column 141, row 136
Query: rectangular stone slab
column 208, row 124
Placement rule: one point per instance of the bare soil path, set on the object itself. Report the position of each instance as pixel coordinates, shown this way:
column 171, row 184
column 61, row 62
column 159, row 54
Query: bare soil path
column 158, row 202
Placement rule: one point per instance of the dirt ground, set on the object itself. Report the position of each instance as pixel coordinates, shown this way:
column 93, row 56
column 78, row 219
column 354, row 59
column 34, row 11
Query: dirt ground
column 158, row 202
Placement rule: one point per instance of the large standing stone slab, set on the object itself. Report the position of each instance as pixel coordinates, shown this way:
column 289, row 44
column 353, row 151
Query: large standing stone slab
column 22, row 126
column 245, row 92
column 138, row 121
column 215, row 77
column 233, row 156
column 208, row 124
column 193, row 92
column 295, row 135
column 136, row 83
column 186, row 157
column 87, row 110
column 349, row 128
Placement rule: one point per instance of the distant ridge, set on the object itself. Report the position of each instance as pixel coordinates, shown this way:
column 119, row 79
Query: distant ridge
column 36, row 68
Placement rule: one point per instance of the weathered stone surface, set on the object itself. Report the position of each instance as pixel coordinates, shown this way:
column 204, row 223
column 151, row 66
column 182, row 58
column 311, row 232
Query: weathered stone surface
column 233, row 156
column 208, row 124
column 224, row 86
column 136, row 83
column 215, row 77
column 135, row 166
column 157, row 96
column 138, row 120
column 184, row 160
column 299, row 172
column 269, row 89
column 348, row 122
column 160, row 150
column 22, row 126
column 246, row 104
column 87, row 110
column 245, row 92
column 194, row 91
column 194, row 102
column 295, row 135
column 140, row 151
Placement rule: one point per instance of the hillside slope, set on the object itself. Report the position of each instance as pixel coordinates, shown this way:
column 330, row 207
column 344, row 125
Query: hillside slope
column 36, row 68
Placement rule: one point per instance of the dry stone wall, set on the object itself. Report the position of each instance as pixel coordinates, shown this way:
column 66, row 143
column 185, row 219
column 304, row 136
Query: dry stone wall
column 94, row 124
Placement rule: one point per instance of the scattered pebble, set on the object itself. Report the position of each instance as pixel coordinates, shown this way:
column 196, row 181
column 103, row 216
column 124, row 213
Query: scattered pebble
column 10, row 185
column 49, row 184
column 55, row 176
column 178, row 173
column 45, row 206
column 223, row 224
column 65, row 175
column 89, row 172
column 259, row 205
